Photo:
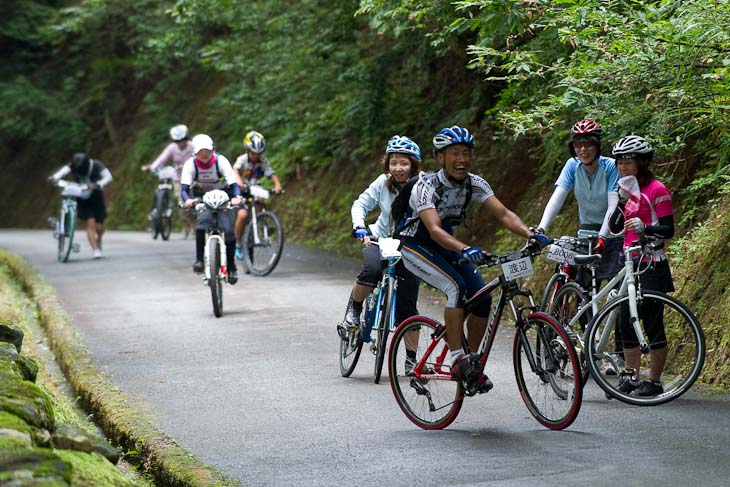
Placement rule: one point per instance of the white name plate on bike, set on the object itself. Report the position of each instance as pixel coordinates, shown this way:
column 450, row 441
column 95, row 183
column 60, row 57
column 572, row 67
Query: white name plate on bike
column 560, row 255
column 517, row 269
column 389, row 247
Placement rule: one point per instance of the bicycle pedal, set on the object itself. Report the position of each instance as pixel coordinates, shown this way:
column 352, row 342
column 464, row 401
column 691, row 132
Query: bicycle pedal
column 76, row 248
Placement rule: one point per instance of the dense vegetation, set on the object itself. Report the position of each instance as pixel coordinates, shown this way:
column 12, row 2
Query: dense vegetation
column 329, row 82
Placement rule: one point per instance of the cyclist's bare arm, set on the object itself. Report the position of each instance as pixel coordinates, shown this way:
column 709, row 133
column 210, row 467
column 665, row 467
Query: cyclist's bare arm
column 506, row 217
column 430, row 218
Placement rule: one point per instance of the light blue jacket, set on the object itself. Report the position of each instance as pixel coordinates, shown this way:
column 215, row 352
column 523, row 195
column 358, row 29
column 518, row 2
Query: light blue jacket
column 376, row 195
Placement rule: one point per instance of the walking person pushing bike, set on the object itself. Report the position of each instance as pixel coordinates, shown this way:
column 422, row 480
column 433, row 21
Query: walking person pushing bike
column 94, row 175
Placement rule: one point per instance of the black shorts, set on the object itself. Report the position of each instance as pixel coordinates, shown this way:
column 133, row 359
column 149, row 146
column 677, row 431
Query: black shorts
column 93, row 207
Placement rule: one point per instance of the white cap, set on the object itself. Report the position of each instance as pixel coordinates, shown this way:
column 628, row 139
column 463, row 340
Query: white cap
column 202, row 141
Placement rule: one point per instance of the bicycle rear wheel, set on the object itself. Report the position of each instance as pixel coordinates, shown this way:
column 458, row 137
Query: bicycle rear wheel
column 66, row 237
column 216, row 280
column 427, row 395
column 549, row 383
column 569, row 299
column 164, row 212
column 263, row 244
column 685, row 346
column 383, row 329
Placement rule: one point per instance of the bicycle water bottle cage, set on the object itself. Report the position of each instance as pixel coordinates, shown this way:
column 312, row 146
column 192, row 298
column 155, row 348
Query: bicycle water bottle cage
column 215, row 199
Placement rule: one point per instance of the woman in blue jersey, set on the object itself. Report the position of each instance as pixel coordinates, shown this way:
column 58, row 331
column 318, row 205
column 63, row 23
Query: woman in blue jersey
column 593, row 179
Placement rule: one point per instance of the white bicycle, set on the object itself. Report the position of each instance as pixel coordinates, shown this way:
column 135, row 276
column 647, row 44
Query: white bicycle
column 215, row 271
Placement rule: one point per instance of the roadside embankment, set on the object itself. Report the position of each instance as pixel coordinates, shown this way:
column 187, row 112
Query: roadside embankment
column 128, row 429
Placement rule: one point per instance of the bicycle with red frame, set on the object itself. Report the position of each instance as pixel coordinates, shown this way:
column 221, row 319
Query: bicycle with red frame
column 547, row 368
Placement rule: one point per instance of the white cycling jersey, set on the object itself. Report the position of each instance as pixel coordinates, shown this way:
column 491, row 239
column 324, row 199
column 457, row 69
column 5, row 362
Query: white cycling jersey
column 217, row 174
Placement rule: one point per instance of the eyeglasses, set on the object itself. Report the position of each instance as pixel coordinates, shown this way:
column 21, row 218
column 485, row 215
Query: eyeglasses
column 583, row 144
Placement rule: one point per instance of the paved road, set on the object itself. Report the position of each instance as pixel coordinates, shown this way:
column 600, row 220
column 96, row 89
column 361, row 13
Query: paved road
column 258, row 394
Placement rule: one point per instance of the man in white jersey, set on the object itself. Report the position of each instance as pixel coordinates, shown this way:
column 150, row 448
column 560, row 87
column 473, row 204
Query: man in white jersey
column 432, row 252
column 206, row 171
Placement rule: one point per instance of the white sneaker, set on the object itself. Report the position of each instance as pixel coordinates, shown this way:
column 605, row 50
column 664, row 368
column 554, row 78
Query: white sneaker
column 97, row 253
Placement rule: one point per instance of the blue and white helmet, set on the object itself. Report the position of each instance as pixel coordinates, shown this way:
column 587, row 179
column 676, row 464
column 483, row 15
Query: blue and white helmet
column 403, row 145
column 451, row 136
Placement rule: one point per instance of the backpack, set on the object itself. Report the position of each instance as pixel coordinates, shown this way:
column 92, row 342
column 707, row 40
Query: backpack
column 401, row 211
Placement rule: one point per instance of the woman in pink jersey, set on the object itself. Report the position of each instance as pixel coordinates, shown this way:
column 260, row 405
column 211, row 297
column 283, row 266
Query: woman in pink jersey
column 645, row 208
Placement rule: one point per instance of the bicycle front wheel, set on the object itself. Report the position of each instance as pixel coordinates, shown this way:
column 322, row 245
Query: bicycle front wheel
column 350, row 349
column 383, row 329
column 422, row 383
column 681, row 346
column 565, row 305
column 549, row 382
column 66, row 237
column 264, row 243
column 216, row 279
column 164, row 212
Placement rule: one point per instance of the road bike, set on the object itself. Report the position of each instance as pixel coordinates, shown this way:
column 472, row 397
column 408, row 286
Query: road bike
column 563, row 296
column 379, row 316
column 263, row 237
column 683, row 340
column 548, row 376
column 161, row 215
column 215, row 270
column 64, row 227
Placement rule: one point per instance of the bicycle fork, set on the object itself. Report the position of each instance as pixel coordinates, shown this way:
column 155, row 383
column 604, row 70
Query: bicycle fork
column 223, row 258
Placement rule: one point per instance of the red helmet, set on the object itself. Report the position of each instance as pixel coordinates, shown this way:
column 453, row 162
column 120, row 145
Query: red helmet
column 585, row 129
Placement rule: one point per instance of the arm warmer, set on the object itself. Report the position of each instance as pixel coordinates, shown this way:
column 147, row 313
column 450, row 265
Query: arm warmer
column 664, row 229
column 106, row 178
column 185, row 193
column 612, row 203
column 61, row 173
column 553, row 206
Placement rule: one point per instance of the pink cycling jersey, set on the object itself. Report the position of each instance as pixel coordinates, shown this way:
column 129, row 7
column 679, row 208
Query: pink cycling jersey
column 661, row 201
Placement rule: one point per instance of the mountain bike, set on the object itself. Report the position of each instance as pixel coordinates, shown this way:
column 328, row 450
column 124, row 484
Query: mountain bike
column 379, row 316
column 263, row 237
column 161, row 215
column 548, row 377
column 215, row 258
column 64, row 227
column 683, row 338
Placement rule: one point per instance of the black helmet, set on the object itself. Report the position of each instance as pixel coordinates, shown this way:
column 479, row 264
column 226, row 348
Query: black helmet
column 78, row 159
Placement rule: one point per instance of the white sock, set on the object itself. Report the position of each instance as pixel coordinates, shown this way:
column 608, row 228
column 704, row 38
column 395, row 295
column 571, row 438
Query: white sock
column 457, row 353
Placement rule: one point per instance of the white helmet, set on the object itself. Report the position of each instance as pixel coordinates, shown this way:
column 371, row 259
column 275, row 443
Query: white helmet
column 254, row 142
column 202, row 141
column 179, row 132
column 631, row 146
column 215, row 199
